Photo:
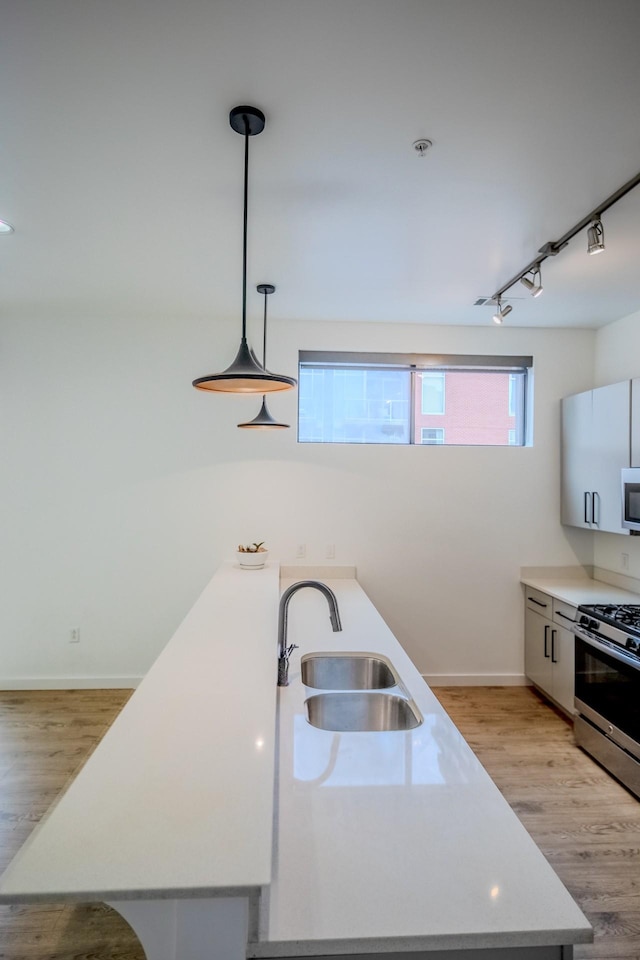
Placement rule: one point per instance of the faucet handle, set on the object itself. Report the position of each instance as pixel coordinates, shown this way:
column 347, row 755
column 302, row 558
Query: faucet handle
column 283, row 665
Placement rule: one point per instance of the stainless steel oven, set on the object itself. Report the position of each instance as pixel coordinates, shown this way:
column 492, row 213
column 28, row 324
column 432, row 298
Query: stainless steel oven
column 607, row 689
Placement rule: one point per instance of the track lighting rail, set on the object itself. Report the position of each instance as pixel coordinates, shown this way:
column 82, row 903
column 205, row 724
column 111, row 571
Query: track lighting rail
column 553, row 247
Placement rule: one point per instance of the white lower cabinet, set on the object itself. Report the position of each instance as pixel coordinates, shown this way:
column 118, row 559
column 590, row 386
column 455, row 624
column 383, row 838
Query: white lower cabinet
column 549, row 650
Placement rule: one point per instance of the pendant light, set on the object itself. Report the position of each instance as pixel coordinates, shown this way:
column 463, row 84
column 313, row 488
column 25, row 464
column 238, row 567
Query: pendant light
column 245, row 375
column 264, row 420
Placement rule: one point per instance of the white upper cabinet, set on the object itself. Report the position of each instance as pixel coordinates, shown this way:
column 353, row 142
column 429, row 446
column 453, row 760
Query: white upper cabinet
column 577, row 414
column 596, row 436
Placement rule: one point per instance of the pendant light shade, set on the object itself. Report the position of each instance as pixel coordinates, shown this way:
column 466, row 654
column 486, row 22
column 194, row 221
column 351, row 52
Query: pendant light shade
column 245, row 375
column 264, row 420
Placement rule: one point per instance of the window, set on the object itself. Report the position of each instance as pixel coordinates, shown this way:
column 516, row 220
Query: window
column 431, row 435
column 512, row 395
column 432, row 392
column 353, row 405
column 413, row 399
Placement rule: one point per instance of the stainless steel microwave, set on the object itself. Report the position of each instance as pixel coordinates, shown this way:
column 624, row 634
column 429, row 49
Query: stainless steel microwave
column 631, row 498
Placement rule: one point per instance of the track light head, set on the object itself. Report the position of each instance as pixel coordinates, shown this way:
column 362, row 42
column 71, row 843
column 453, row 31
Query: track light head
column 534, row 286
column 502, row 312
column 595, row 237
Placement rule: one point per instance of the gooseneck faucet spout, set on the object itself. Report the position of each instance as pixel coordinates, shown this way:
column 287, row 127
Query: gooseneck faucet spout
column 284, row 651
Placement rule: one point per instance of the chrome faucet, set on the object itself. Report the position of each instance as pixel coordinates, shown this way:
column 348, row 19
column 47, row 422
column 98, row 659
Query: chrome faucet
column 284, row 651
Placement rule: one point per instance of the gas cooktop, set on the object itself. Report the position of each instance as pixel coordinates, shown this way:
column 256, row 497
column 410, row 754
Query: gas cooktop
column 617, row 623
column 626, row 616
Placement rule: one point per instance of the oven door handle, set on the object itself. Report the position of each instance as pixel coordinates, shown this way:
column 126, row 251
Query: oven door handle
column 610, row 650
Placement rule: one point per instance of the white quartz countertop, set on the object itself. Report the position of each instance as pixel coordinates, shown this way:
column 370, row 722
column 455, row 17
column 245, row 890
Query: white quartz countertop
column 397, row 840
column 177, row 799
column 580, row 590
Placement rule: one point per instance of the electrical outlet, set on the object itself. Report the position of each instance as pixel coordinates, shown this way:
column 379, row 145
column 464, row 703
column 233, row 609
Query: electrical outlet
column 74, row 635
column 301, row 551
column 331, row 551
column 624, row 561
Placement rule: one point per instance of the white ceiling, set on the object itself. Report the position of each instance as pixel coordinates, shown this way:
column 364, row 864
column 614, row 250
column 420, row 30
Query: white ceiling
column 124, row 180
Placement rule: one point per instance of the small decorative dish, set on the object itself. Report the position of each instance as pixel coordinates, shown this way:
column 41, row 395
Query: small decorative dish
column 252, row 557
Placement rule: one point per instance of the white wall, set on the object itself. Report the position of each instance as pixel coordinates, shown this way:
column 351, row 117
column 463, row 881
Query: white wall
column 617, row 358
column 123, row 488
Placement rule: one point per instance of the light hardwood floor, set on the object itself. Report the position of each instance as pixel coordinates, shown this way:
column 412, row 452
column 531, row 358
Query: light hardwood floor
column 586, row 824
column 45, row 737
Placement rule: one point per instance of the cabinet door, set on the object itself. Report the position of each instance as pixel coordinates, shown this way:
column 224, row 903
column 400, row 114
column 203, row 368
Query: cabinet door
column 577, row 459
column 537, row 650
column 563, row 653
column 610, row 453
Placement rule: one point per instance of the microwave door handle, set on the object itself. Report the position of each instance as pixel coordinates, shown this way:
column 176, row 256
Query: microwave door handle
column 587, row 496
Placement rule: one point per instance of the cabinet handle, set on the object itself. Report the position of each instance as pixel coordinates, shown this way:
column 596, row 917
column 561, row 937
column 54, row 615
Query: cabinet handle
column 546, row 640
column 593, row 507
column 564, row 616
column 553, row 646
column 587, row 497
column 539, row 602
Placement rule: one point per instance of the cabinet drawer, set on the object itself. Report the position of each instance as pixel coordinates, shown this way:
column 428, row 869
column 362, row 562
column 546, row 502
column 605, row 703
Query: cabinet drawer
column 564, row 613
column 538, row 601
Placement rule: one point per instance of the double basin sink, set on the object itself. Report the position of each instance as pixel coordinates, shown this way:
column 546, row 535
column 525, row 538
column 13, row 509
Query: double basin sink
column 355, row 701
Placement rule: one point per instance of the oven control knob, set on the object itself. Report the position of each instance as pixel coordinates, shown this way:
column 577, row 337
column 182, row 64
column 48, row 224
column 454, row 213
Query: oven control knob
column 584, row 621
column 593, row 624
column 632, row 644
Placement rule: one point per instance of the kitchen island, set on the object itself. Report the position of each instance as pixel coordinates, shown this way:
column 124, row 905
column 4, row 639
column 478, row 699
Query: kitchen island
column 381, row 842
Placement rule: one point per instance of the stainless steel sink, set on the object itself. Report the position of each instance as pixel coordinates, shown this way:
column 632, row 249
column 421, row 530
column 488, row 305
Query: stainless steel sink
column 361, row 711
column 349, row 672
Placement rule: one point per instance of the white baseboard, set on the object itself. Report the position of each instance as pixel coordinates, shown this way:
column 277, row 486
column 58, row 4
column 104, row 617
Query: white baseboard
column 69, row 683
column 476, row 680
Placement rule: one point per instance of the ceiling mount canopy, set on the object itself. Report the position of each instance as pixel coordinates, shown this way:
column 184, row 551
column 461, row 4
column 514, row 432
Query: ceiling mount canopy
column 264, row 420
column 245, row 375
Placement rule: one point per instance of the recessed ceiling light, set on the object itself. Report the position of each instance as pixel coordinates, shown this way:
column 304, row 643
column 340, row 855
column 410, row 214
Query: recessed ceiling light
column 5, row 227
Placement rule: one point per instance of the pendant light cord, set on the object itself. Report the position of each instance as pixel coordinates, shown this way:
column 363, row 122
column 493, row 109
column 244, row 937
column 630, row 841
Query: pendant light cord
column 264, row 340
column 244, row 237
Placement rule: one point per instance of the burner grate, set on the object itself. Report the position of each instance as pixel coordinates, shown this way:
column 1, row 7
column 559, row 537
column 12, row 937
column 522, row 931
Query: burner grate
column 625, row 615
